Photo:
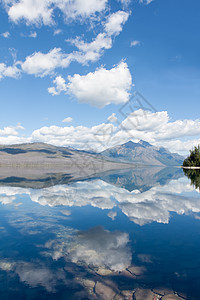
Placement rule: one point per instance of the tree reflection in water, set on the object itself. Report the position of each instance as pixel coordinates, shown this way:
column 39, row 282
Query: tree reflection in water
column 194, row 176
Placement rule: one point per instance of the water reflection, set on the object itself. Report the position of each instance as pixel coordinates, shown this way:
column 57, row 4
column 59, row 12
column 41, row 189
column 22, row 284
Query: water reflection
column 101, row 248
column 142, row 179
column 130, row 179
column 153, row 205
column 101, row 239
column 194, row 176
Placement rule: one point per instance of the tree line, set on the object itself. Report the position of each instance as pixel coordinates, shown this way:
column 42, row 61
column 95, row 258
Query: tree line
column 193, row 160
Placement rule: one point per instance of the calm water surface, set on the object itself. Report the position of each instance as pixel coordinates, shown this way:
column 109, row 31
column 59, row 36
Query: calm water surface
column 104, row 238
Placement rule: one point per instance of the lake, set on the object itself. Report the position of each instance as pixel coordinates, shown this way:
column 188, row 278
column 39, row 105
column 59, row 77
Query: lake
column 129, row 234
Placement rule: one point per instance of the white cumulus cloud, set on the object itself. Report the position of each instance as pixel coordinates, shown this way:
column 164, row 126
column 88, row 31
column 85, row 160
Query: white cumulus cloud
column 57, row 31
column 90, row 52
column 33, row 34
column 9, row 71
column 154, row 127
column 42, row 64
column 146, row 1
column 67, row 120
column 112, row 118
column 11, row 130
column 60, row 86
column 6, row 34
column 135, row 43
column 102, row 87
column 115, row 22
column 42, row 12
column 124, row 2
column 10, row 135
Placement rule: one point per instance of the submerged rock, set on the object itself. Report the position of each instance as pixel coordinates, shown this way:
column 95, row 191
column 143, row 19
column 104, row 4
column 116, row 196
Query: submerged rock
column 128, row 274
column 145, row 294
column 137, row 270
column 88, row 283
column 162, row 291
column 104, row 272
column 171, row 297
column 119, row 297
column 128, row 294
column 104, row 291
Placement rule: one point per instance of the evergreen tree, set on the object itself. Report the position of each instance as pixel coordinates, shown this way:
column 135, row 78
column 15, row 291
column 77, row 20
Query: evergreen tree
column 193, row 160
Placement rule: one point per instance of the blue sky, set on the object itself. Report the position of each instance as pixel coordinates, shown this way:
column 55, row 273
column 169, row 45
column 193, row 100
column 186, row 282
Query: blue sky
column 82, row 61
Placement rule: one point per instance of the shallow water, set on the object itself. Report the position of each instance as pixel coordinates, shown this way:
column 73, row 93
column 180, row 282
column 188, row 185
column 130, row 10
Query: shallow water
column 122, row 234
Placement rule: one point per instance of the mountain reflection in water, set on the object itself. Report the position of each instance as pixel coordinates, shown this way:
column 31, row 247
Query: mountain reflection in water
column 130, row 235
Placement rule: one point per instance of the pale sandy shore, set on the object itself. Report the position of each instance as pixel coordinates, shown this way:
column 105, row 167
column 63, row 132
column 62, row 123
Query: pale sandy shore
column 192, row 168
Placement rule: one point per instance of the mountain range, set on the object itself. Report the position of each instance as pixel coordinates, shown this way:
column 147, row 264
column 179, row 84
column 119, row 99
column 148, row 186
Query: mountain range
column 40, row 160
column 143, row 153
column 40, row 164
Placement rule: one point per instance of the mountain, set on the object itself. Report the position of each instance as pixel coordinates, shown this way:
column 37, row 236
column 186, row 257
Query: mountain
column 70, row 160
column 38, row 165
column 143, row 153
column 40, row 161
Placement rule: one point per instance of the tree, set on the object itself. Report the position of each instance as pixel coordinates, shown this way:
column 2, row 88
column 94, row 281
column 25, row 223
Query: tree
column 193, row 160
